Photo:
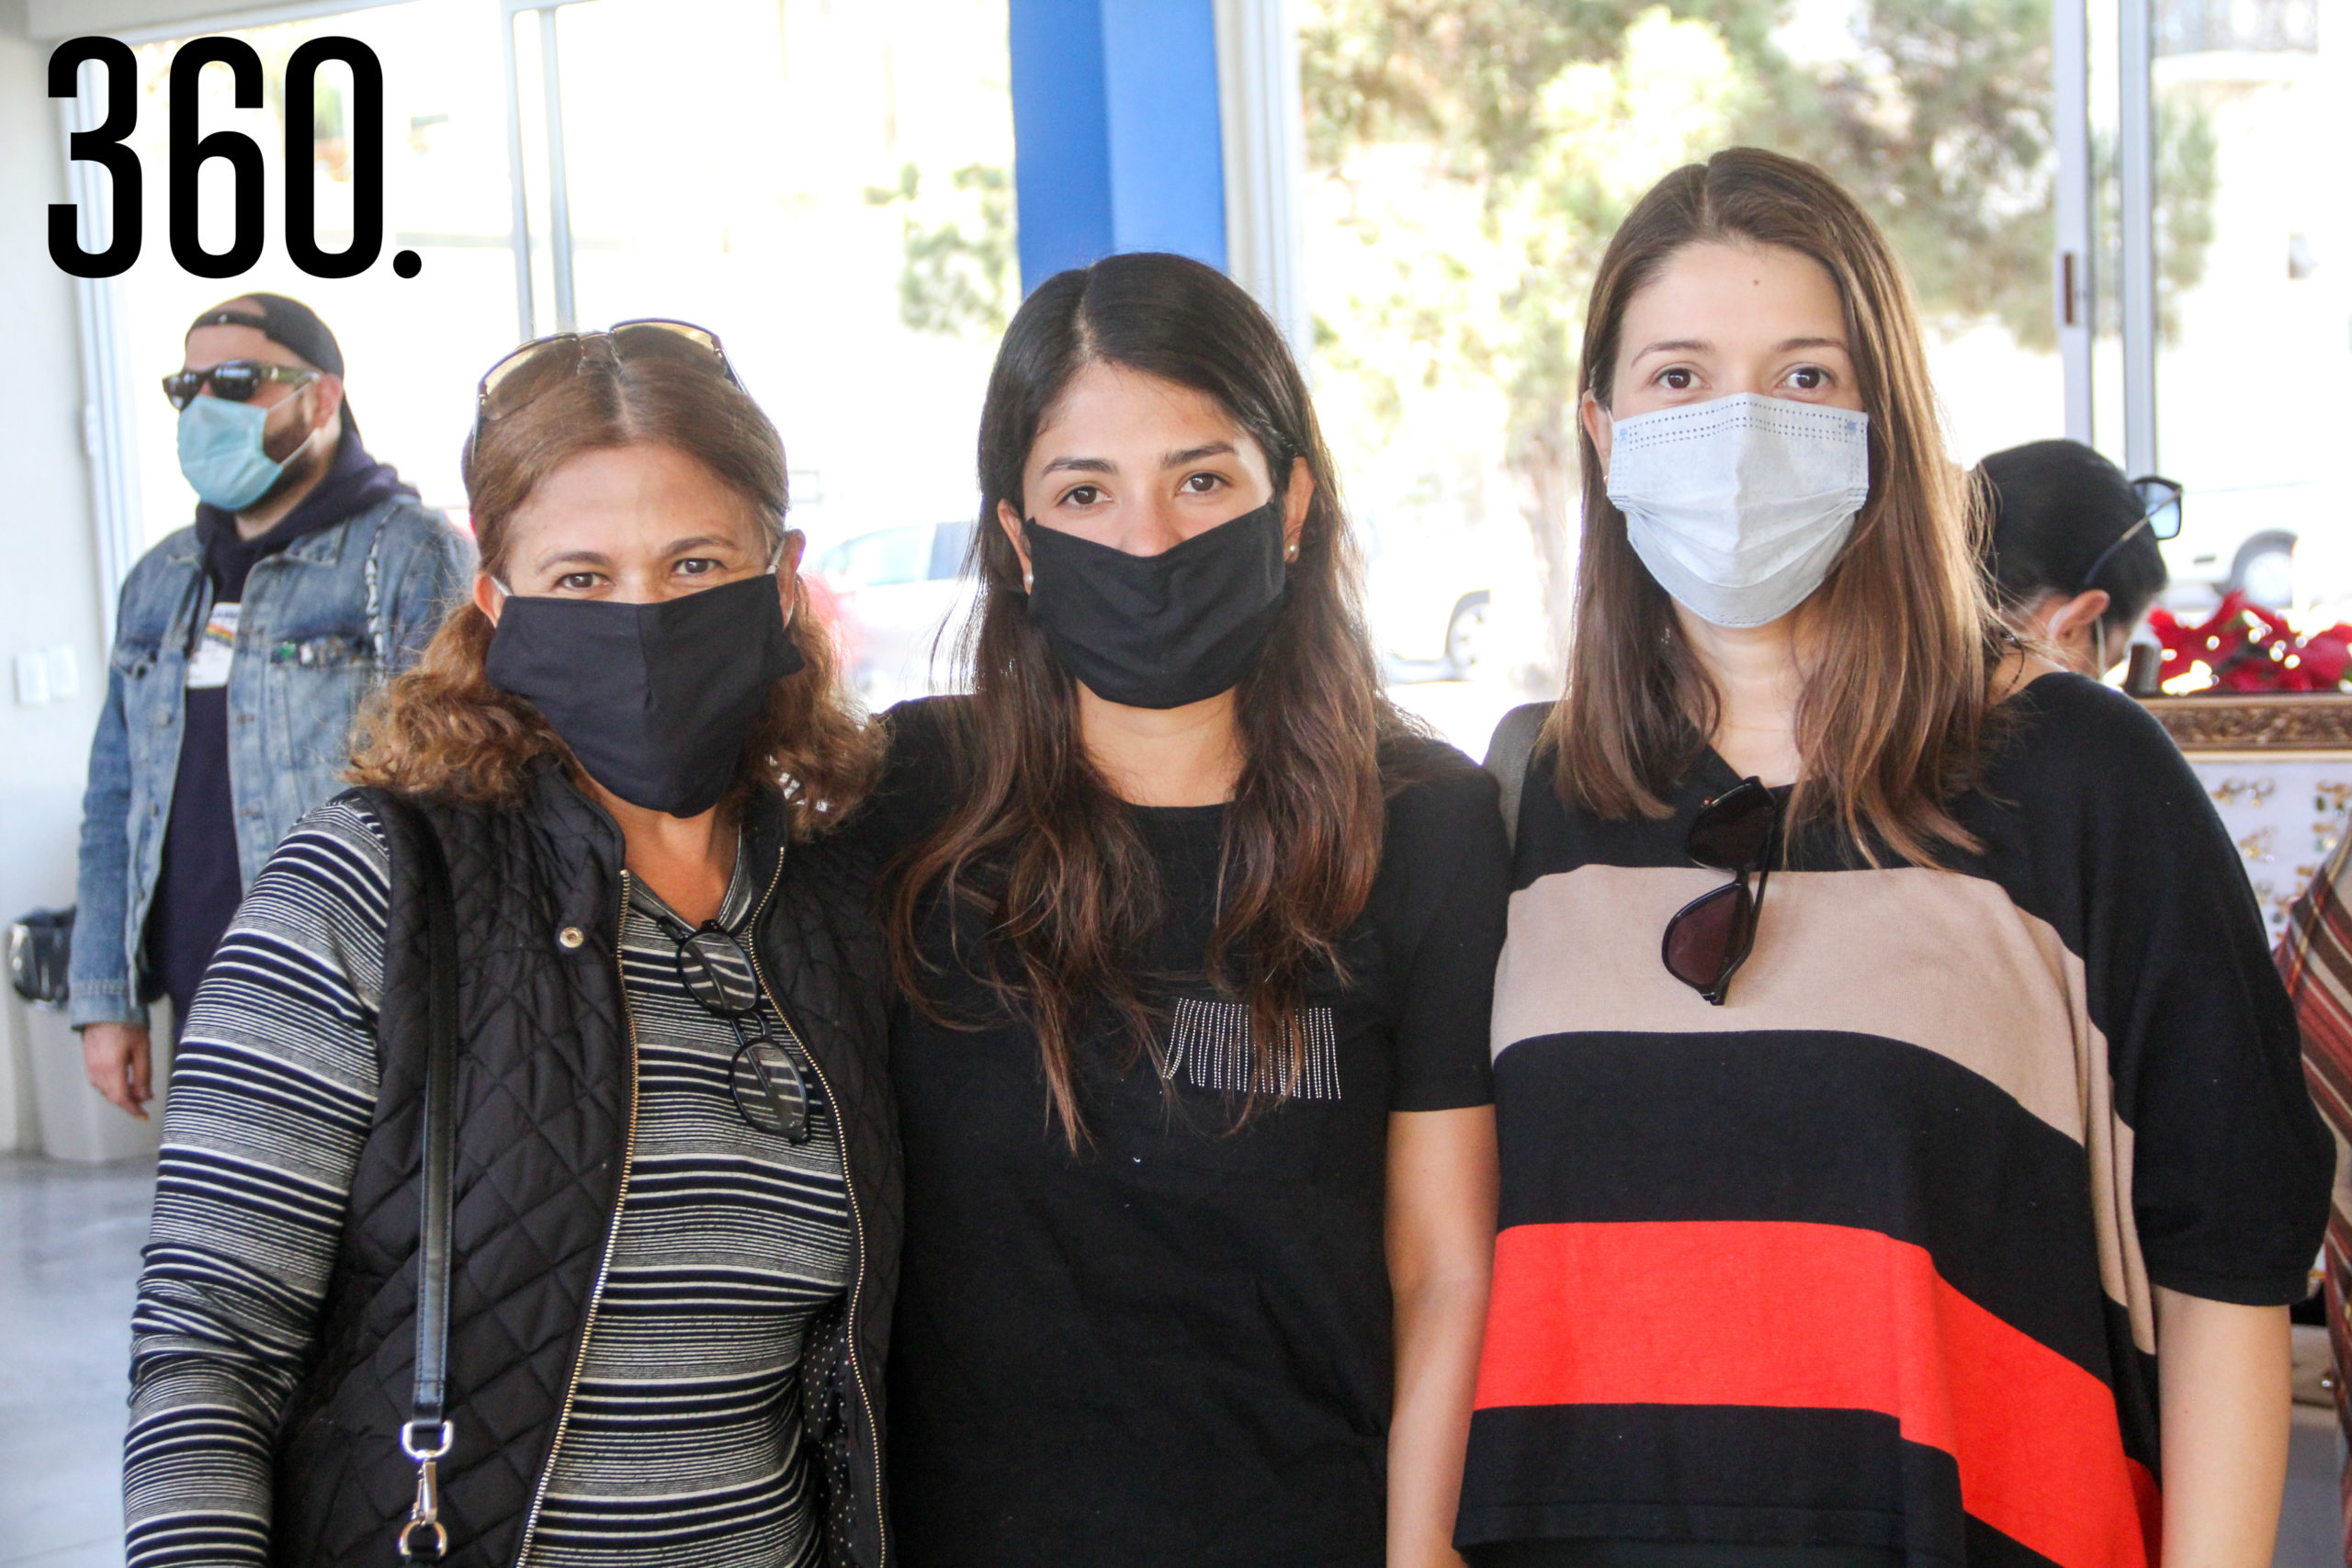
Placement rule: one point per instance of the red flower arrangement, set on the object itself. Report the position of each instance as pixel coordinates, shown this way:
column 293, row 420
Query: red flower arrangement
column 2249, row 648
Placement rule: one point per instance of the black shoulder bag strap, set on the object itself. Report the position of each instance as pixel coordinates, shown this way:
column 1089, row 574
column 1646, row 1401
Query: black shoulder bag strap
column 1508, row 754
column 427, row 1434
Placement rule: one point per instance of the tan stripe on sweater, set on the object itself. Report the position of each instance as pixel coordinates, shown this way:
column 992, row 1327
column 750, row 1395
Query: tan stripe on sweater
column 1935, row 959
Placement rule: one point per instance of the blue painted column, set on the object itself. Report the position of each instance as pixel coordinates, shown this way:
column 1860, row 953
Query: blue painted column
column 1117, row 141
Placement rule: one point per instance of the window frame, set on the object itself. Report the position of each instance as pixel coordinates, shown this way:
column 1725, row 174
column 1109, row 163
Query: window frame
column 2075, row 288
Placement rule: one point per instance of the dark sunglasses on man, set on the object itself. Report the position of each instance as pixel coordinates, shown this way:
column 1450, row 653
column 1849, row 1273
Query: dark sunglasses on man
column 523, row 375
column 1709, row 937
column 235, row 381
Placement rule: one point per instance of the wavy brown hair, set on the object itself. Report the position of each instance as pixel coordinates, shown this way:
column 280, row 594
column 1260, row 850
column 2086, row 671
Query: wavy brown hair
column 442, row 730
column 1897, row 706
column 1037, row 842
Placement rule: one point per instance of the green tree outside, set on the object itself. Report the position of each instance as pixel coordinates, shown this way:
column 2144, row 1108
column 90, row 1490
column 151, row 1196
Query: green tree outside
column 961, row 272
column 1548, row 118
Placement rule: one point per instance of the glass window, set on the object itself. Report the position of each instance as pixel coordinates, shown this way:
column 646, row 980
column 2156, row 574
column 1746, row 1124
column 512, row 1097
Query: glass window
column 2254, row 322
column 883, row 559
column 413, row 347
column 949, row 545
column 827, row 186
column 1463, row 182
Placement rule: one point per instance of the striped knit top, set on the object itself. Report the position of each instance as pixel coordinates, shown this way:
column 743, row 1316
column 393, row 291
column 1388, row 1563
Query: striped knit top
column 1864, row 1257
column 2316, row 960
column 683, row 1441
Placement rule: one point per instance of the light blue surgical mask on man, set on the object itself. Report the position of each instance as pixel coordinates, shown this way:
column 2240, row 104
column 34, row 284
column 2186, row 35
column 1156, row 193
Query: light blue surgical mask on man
column 221, row 452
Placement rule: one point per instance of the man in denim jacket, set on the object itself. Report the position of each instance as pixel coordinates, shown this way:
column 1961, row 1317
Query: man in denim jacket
column 242, row 647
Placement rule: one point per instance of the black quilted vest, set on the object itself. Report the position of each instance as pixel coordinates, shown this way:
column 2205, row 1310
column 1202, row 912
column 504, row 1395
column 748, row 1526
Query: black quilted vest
column 545, row 1095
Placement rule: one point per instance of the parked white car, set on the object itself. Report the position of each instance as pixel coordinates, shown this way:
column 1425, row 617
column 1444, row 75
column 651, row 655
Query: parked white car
column 2248, row 536
column 900, row 598
column 1441, row 596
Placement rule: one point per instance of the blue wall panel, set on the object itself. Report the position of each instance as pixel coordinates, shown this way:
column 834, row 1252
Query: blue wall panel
column 1117, row 143
column 1167, row 146
column 1061, row 178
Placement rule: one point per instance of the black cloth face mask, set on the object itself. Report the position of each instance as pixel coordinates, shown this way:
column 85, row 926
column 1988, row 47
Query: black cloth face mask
column 1159, row 631
column 655, row 700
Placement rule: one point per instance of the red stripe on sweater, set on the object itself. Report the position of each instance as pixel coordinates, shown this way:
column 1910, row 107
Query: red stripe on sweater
column 2319, row 943
column 1809, row 1316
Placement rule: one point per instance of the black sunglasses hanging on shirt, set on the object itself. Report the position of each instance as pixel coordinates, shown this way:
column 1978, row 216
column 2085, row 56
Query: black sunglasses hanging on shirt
column 1709, row 937
column 771, row 1093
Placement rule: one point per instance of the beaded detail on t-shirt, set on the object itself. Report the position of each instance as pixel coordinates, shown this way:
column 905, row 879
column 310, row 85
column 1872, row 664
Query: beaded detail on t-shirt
column 1210, row 1045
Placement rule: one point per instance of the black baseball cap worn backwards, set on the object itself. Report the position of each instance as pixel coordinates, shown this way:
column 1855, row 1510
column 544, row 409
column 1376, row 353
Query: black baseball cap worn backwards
column 291, row 324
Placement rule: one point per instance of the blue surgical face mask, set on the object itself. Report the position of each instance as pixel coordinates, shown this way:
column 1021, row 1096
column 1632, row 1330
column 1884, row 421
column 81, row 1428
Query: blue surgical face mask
column 221, row 452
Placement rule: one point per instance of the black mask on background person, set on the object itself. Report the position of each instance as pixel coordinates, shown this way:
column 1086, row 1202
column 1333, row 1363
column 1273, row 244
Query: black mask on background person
column 1159, row 631
column 655, row 700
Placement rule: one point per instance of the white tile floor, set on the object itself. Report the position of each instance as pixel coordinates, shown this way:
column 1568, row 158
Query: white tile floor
column 69, row 1265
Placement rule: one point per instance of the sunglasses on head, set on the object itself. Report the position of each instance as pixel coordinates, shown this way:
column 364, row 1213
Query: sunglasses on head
column 236, row 380
column 531, row 369
column 1709, row 937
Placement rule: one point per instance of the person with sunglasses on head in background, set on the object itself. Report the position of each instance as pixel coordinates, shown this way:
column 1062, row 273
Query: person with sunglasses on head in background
column 2073, row 549
column 243, row 646
column 617, row 1291
column 1904, row 1153
column 1199, row 935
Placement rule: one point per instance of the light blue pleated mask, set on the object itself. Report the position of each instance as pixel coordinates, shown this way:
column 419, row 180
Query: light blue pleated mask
column 1740, row 506
column 221, row 452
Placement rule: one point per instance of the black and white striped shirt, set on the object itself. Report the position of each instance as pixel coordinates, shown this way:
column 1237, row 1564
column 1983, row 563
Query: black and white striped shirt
column 683, row 1437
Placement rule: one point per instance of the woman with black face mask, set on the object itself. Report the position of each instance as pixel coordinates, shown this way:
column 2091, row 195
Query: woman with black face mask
column 1199, row 936
column 530, row 1184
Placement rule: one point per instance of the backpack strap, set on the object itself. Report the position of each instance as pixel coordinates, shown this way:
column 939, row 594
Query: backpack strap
column 427, row 1435
column 1508, row 755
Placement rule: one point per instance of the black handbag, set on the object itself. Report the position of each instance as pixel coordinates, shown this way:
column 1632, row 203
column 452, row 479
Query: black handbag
column 427, row 1434
column 41, row 952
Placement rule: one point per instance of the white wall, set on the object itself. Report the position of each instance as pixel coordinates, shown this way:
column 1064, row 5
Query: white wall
column 48, row 574
column 47, row 19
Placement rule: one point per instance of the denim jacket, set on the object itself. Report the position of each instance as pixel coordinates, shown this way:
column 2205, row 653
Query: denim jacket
column 321, row 619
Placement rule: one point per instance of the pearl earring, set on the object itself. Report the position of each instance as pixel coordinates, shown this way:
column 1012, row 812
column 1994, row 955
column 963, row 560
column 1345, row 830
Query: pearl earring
column 1028, row 580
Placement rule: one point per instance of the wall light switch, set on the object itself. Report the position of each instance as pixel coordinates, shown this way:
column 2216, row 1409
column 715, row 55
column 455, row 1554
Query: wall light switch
column 65, row 672
column 33, row 678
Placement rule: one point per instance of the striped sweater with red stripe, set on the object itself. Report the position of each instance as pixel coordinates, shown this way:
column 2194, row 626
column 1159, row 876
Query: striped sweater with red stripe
column 1865, row 1257
column 2316, row 960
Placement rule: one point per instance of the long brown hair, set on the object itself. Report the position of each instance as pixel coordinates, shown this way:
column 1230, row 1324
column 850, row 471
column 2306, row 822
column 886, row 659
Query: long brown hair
column 1038, row 844
column 443, row 729
column 1897, row 704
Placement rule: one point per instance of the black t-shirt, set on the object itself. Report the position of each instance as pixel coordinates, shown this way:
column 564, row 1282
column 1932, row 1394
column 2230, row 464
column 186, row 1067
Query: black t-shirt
column 1173, row 1347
